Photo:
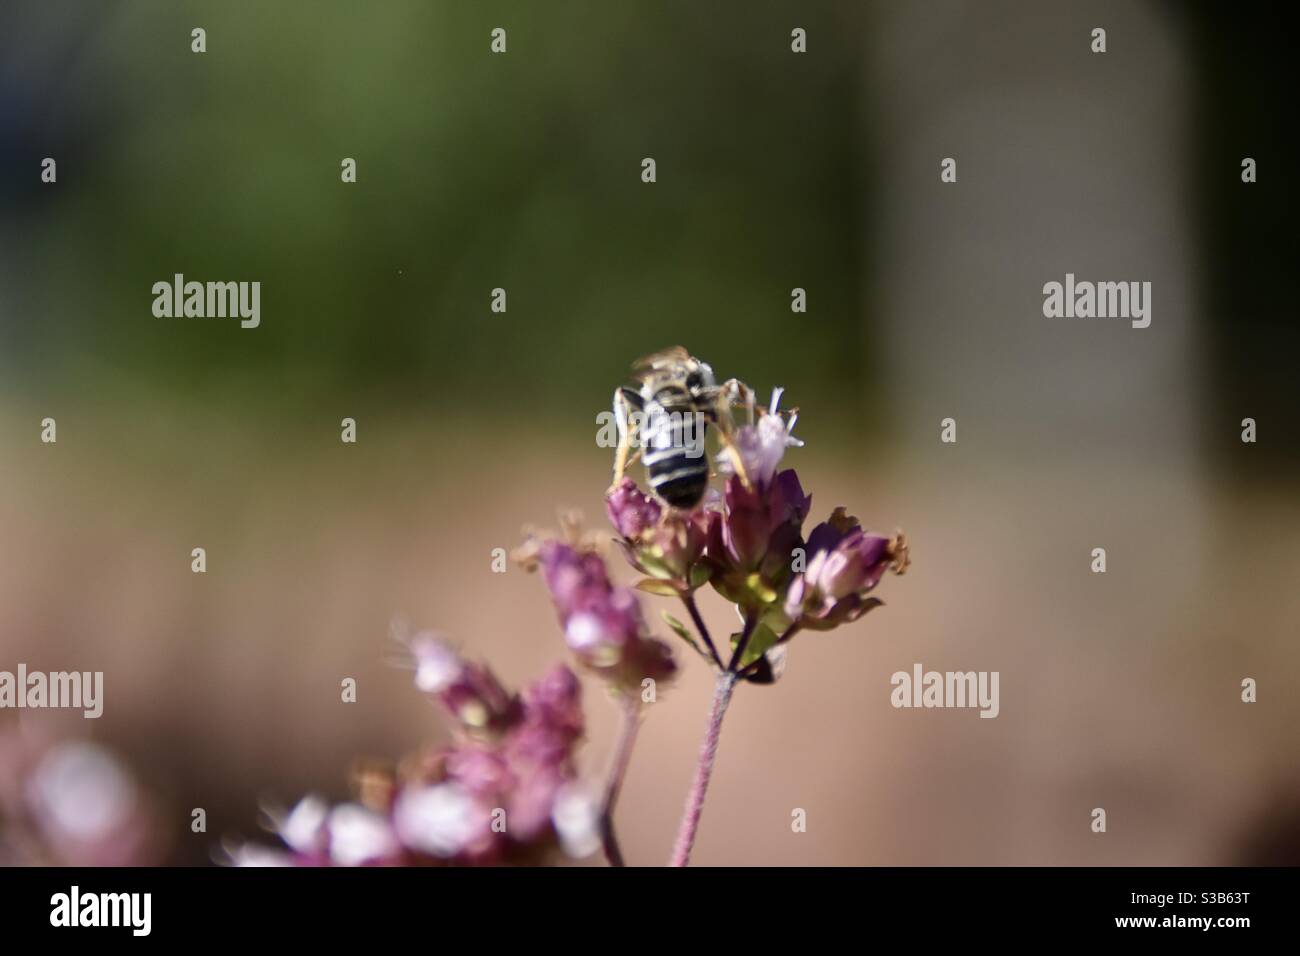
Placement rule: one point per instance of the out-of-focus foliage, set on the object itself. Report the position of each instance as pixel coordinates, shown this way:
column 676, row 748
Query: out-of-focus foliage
column 475, row 171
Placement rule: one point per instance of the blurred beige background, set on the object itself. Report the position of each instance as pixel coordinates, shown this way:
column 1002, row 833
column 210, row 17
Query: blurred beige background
column 1117, row 690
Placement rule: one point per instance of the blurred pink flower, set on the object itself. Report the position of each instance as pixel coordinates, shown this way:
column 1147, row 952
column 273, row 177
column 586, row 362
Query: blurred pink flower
column 503, row 797
column 72, row 803
column 602, row 623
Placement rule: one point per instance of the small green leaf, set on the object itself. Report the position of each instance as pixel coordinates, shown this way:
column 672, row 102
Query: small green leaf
column 700, row 575
column 681, row 630
column 762, row 638
column 654, row 565
column 655, row 586
column 774, row 617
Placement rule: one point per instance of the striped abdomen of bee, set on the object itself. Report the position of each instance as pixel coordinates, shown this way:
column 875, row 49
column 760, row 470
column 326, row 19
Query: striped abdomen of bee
column 672, row 440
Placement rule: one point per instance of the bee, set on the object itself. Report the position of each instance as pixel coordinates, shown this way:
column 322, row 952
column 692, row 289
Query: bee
column 666, row 418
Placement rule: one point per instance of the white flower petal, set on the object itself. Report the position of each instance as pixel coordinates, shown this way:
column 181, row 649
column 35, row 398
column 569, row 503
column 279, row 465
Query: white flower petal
column 359, row 835
column 576, row 815
column 437, row 819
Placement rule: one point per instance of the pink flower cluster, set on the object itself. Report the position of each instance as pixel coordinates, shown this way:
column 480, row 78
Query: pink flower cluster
column 603, row 625
column 506, row 790
column 750, row 547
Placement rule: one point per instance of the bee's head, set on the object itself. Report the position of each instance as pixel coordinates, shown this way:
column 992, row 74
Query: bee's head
column 700, row 378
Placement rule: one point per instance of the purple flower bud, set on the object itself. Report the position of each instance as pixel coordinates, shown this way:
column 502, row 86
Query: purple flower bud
column 479, row 769
column 844, row 564
column 470, row 692
column 599, row 635
column 603, row 625
column 832, row 531
column 787, row 503
column 479, row 702
column 652, row 658
column 659, row 543
column 576, row 579
column 552, row 724
column 752, row 540
column 679, row 540
column 630, row 511
column 746, row 524
column 532, row 803
column 555, row 701
column 753, row 516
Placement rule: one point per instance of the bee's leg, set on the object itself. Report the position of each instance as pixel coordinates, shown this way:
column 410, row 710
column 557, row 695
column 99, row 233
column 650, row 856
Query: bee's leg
column 737, row 464
column 732, row 390
column 625, row 400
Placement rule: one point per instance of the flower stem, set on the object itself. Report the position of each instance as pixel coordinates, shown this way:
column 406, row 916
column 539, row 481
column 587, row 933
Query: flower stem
column 689, row 600
column 614, row 781
column 750, row 620
column 703, row 770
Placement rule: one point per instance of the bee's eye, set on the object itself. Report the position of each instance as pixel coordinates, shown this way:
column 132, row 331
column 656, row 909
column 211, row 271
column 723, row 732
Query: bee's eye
column 694, row 380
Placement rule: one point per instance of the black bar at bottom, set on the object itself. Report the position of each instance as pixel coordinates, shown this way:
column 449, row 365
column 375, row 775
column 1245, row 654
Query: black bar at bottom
column 559, row 906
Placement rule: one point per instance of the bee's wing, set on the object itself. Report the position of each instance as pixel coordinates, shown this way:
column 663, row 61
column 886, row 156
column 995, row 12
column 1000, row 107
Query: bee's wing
column 664, row 358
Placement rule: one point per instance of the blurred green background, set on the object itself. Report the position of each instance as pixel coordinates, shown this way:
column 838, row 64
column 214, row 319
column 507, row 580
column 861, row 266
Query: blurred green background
column 475, row 171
